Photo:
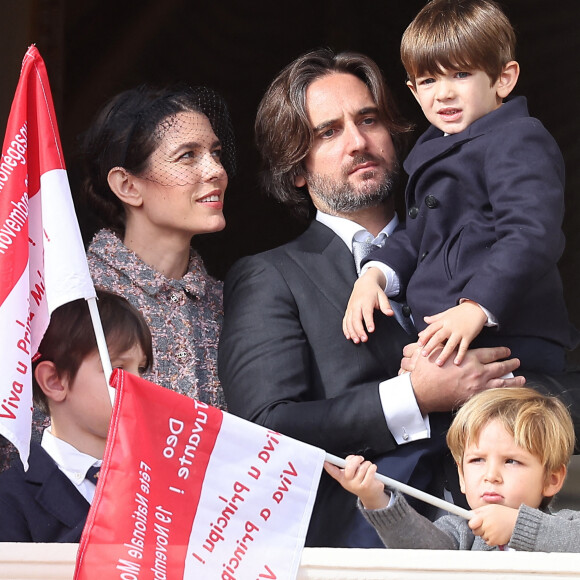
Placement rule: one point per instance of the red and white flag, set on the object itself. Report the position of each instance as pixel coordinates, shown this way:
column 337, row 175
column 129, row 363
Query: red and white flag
column 42, row 258
column 188, row 491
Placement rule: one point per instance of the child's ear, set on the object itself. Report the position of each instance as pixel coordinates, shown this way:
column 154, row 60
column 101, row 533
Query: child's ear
column 554, row 481
column 507, row 79
column 413, row 88
column 124, row 185
column 50, row 383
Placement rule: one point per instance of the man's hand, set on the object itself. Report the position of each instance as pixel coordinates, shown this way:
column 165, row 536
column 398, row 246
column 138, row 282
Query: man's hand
column 367, row 295
column 447, row 387
column 494, row 523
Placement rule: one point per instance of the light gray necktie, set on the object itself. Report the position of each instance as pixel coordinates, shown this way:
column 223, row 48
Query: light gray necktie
column 360, row 250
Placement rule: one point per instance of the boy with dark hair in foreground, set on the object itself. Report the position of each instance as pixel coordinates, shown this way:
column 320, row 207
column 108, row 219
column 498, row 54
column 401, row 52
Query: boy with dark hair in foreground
column 50, row 501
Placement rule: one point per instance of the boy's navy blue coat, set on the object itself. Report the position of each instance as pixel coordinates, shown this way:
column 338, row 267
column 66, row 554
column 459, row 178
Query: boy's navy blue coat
column 485, row 209
column 40, row 505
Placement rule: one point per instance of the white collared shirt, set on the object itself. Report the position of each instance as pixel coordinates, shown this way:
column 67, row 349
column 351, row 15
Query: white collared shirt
column 347, row 230
column 72, row 462
column 402, row 414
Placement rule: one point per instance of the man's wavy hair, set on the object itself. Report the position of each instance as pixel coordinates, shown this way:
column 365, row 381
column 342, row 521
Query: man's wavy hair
column 283, row 133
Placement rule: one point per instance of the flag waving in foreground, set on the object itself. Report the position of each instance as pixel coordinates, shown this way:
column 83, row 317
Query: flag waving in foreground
column 42, row 258
column 188, row 491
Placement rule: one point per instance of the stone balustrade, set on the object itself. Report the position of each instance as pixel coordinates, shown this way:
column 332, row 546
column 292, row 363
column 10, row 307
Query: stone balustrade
column 57, row 561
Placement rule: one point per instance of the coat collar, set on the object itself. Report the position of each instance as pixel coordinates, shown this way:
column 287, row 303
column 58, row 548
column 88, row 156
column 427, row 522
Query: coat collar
column 433, row 143
column 325, row 259
column 112, row 252
column 45, row 474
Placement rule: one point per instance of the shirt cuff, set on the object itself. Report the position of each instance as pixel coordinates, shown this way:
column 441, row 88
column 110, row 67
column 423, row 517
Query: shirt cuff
column 402, row 414
column 491, row 319
column 393, row 286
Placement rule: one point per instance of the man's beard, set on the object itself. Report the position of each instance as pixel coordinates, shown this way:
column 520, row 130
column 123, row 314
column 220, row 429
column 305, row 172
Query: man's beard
column 340, row 197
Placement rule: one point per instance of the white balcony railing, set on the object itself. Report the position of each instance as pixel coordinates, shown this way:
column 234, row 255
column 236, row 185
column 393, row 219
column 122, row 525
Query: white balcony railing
column 56, row 562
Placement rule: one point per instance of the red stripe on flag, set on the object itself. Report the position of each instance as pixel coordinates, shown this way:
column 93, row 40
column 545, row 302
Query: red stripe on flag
column 31, row 148
column 157, row 455
column 42, row 259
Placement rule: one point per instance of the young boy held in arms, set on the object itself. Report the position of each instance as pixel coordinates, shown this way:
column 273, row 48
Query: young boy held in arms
column 50, row 501
column 485, row 201
column 512, row 447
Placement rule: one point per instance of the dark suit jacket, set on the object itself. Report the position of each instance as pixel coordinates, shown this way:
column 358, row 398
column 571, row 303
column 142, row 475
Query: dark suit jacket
column 284, row 363
column 40, row 505
column 485, row 209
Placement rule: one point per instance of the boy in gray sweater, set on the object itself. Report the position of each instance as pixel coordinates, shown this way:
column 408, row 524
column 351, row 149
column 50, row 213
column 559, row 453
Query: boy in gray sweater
column 512, row 447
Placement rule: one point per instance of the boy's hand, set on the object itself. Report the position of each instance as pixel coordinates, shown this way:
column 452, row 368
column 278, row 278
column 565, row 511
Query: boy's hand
column 494, row 523
column 358, row 477
column 367, row 294
column 457, row 326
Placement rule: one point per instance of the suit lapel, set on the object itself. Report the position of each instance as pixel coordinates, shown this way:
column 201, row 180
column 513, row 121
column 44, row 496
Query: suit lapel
column 328, row 263
column 325, row 259
column 56, row 493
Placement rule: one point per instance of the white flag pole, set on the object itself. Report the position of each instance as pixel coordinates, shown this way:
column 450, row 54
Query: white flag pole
column 101, row 345
column 403, row 488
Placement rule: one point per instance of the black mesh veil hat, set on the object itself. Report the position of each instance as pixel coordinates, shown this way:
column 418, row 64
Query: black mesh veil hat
column 133, row 127
column 156, row 116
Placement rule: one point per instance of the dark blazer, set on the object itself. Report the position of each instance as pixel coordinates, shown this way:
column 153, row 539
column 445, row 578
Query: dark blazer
column 40, row 505
column 284, row 363
column 485, row 209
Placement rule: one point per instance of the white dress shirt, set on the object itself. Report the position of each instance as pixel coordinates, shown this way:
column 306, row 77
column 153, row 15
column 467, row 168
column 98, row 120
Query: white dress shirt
column 72, row 462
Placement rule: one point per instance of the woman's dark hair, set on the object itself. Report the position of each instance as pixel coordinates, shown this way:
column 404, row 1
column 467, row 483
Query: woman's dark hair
column 126, row 132
column 283, row 133
column 70, row 337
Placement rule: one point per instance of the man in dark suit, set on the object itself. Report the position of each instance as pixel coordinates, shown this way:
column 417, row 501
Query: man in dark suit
column 329, row 135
